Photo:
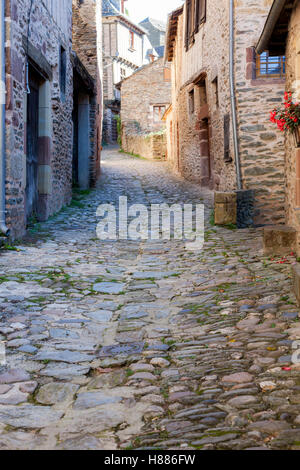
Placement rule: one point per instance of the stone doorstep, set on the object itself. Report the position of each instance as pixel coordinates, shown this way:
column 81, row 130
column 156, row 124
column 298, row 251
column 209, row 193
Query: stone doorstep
column 225, row 208
column 279, row 240
column 234, row 207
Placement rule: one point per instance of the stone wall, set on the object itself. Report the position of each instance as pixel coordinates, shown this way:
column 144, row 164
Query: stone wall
column 87, row 43
column 146, row 88
column 197, row 149
column 55, row 141
column 142, row 94
column 292, row 153
column 150, row 146
column 261, row 146
column 201, row 147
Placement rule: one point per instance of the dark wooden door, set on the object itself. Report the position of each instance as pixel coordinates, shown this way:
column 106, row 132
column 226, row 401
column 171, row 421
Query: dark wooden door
column 114, row 136
column 32, row 144
column 75, row 139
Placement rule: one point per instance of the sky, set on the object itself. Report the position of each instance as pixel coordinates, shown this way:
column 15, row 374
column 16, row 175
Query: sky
column 157, row 9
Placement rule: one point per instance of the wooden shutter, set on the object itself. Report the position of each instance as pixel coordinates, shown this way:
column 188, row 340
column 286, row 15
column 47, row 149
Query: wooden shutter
column 200, row 13
column 188, row 23
column 197, row 15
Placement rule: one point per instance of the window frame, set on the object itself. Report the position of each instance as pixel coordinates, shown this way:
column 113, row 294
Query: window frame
column 258, row 64
column 191, row 102
column 131, row 40
column 162, row 109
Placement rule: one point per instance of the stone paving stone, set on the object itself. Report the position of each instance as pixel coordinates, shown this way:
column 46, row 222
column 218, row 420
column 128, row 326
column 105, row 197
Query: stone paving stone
column 53, row 393
column 118, row 349
column 102, row 316
column 29, row 416
column 14, row 375
column 92, row 399
column 109, row 287
column 64, row 371
column 144, row 344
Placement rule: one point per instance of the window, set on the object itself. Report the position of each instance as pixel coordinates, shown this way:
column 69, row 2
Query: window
column 195, row 16
column 167, row 74
column 200, row 13
column 201, row 92
column 158, row 112
column 192, row 102
column 268, row 66
column 131, row 40
column 123, row 73
column 62, row 72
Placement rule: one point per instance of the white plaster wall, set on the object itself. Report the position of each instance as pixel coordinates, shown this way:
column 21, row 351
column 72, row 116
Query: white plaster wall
column 133, row 56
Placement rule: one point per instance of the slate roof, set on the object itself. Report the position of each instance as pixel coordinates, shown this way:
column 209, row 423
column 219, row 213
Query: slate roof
column 110, row 7
column 160, row 25
column 160, row 51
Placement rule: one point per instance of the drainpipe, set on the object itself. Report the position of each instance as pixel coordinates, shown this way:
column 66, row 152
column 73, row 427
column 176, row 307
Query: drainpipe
column 233, row 97
column 3, row 229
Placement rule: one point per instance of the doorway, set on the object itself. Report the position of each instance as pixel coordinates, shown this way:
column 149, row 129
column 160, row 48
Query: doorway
column 81, row 139
column 34, row 82
column 204, row 133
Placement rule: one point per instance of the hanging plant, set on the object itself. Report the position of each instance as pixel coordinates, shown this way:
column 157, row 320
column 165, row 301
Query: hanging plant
column 287, row 117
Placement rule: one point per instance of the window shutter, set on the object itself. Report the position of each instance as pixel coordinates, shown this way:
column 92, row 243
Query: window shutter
column 188, row 23
column 197, row 15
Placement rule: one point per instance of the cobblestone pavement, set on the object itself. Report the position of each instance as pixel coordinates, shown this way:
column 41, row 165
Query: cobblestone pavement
column 143, row 344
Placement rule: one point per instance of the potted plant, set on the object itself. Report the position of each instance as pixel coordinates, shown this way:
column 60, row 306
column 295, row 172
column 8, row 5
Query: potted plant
column 287, row 117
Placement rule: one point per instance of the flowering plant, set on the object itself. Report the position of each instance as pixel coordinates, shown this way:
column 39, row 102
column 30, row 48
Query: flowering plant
column 287, row 117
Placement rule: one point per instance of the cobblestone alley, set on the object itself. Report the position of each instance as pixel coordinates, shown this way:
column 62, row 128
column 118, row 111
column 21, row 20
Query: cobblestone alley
column 121, row 345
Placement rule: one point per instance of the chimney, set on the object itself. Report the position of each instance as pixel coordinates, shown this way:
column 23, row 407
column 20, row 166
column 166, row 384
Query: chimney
column 123, row 6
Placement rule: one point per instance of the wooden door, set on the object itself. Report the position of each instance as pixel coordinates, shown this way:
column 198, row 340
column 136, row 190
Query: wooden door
column 114, row 136
column 75, row 139
column 32, row 144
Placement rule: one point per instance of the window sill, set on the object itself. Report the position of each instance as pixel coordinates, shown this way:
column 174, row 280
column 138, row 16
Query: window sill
column 267, row 81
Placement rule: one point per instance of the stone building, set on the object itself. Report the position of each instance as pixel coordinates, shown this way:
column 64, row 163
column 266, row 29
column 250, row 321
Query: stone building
column 156, row 33
column 51, row 140
column 39, row 103
column 201, row 124
column 123, row 54
column 281, row 36
column 88, row 99
column 145, row 97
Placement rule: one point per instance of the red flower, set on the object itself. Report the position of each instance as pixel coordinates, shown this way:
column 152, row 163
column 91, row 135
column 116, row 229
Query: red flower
column 273, row 116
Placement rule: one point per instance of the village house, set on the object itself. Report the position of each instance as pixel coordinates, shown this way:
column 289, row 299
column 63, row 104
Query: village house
column 51, row 141
column 38, row 115
column 125, row 49
column 281, row 36
column 87, row 91
column 219, row 134
column 145, row 97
